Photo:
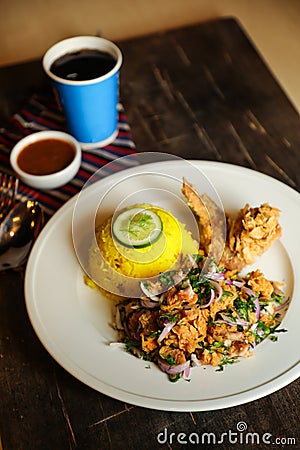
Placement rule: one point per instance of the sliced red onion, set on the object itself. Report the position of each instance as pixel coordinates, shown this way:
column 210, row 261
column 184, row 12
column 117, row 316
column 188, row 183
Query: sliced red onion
column 148, row 293
column 212, row 297
column 217, row 276
column 231, row 322
column 249, row 291
column 195, row 360
column 222, row 321
column 186, row 373
column 178, row 368
column 241, row 321
column 226, row 320
column 148, row 303
column 168, row 327
column 260, row 332
column 283, row 305
column 172, row 370
column 257, row 330
column 253, row 327
column 257, row 307
column 218, row 288
column 163, row 365
column 238, row 284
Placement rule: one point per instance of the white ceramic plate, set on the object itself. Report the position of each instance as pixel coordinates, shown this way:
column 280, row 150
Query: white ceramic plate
column 73, row 321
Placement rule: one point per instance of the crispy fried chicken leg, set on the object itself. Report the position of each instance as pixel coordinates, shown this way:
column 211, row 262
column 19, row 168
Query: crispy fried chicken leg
column 248, row 235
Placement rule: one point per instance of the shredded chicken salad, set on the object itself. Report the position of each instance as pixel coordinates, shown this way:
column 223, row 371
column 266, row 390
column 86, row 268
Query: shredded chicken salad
column 206, row 318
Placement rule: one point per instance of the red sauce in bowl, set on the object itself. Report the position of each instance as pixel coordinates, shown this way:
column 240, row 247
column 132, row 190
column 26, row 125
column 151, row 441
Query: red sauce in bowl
column 46, row 156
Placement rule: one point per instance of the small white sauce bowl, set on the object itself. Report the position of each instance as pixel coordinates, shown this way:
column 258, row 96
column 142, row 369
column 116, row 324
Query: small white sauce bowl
column 55, row 179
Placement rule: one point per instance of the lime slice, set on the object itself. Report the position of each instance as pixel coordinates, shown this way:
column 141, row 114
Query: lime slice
column 137, row 227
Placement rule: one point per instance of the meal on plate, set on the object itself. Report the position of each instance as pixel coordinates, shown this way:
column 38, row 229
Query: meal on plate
column 194, row 308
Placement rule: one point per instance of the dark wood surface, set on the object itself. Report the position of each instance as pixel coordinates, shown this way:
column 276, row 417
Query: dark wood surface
column 199, row 92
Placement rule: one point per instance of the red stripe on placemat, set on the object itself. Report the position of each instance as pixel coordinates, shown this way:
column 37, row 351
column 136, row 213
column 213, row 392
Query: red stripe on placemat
column 42, row 120
column 44, row 112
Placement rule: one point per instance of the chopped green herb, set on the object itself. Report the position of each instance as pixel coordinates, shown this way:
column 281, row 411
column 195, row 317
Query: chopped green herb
column 171, row 318
column 226, row 361
column 218, row 344
column 166, row 278
column 174, row 377
column 227, row 294
column 130, row 345
column 170, row 359
column 154, row 334
column 243, row 308
column 147, row 356
column 278, row 298
column 276, row 330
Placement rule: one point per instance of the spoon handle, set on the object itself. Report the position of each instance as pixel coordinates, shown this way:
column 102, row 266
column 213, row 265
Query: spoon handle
column 8, row 191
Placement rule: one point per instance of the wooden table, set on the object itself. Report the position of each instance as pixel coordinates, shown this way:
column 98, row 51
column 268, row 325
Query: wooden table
column 199, row 92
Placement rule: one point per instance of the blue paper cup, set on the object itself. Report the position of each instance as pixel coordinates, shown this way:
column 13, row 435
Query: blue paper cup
column 90, row 106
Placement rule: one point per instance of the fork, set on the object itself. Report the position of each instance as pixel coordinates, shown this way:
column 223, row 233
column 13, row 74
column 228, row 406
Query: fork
column 8, row 191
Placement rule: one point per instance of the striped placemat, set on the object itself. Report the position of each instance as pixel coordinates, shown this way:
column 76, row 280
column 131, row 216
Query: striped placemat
column 42, row 113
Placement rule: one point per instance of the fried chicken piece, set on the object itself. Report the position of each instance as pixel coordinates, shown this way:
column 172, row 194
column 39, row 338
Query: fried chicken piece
column 208, row 358
column 225, row 333
column 248, row 235
column 188, row 337
column 177, row 354
column 253, row 232
column 259, row 283
column 211, row 220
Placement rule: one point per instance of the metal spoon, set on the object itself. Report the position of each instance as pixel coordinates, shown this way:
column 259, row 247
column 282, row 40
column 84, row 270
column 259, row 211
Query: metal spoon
column 18, row 232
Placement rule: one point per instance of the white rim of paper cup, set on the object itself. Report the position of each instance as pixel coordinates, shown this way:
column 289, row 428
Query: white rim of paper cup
column 76, row 43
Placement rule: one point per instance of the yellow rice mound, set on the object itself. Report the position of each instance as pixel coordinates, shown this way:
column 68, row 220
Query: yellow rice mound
column 162, row 255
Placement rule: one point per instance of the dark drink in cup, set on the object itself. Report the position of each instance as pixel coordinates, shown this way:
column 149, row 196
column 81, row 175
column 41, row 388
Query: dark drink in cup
column 85, row 64
column 85, row 74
